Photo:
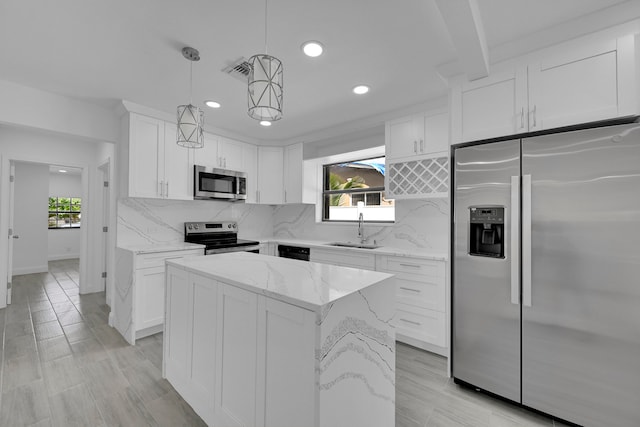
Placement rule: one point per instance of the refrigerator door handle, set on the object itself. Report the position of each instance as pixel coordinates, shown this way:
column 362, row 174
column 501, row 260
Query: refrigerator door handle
column 526, row 240
column 515, row 237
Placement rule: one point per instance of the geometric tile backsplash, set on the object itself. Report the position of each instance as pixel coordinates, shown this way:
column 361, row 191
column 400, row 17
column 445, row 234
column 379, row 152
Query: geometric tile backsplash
column 419, row 178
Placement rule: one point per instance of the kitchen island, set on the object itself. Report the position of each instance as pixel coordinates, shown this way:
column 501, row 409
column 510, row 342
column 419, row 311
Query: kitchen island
column 254, row 340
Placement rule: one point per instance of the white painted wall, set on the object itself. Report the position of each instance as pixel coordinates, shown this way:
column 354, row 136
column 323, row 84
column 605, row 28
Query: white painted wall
column 50, row 148
column 32, row 108
column 30, row 218
column 64, row 243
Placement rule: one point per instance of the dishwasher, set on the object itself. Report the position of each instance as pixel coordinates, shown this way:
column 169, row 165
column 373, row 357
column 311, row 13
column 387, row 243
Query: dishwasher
column 293, row 252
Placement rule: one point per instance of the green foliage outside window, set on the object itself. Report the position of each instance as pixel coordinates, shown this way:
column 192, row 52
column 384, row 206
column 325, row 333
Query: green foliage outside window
column 65, row 212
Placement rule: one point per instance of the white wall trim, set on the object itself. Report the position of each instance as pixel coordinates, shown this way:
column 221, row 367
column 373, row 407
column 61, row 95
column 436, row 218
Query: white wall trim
column 31, row 270
column 63, row 257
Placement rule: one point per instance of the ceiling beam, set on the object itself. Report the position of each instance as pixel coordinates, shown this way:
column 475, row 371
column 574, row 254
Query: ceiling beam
column 462, row 18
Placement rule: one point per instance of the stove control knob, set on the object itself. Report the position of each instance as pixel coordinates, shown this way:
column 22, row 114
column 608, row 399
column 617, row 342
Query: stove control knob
column 228, row 225
column 190, row 227
column 235, row 225
column 196, row 226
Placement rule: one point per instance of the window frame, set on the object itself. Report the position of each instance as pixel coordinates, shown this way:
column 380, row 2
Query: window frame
column 325, row 194
column 69, row 212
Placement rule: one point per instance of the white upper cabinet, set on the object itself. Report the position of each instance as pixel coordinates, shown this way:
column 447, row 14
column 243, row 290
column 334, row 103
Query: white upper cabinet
column 581, row 86
column 207, row 156
column 293, row 173
column 146, row 145
column 270, row 189
column 178, row 170
column 231, row 154
column 417, row 136
column 490, row 107
column 577, row 83
column 158, row 167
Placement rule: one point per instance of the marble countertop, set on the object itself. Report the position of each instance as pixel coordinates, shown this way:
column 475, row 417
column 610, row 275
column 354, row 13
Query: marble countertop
column 161, row 247
column 305, row 284
column 382, row 250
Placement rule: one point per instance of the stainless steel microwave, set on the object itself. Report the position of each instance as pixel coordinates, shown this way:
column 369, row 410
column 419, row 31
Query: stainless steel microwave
column 212, row 183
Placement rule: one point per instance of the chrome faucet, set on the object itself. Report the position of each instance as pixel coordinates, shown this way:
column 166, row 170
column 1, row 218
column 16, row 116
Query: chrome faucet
column 361, row 228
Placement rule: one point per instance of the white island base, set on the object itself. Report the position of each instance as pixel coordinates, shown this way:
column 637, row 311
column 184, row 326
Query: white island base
column 254, row 340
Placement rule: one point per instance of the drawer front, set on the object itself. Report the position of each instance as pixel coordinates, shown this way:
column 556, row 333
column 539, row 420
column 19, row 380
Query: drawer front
column 344, row 258
column 413, row 266
column 421, row 324
column 427, row 292
column 158, row 259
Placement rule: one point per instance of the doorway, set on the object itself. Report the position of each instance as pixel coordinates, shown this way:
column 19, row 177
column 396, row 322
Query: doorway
column 47, row 218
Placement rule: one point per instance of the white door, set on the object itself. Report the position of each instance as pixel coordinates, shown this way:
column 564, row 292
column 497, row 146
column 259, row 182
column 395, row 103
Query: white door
column 402, row 137
column 270, row 168
column 12, row 174
column 178, row 174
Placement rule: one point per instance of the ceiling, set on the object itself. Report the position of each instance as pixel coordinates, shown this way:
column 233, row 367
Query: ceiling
column 104, row 51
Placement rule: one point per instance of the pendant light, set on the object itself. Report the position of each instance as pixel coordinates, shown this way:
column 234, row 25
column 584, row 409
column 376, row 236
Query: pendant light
column 190, row 117
column 265, row 83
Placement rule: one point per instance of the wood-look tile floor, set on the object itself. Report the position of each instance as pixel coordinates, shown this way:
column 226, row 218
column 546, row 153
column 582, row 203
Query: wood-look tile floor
column 62, row 365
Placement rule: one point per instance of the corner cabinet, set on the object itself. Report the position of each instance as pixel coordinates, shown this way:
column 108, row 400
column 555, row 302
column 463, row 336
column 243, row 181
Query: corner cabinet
column 140, row 296
column 157, row 167
column 577, row 83
column 417, row 157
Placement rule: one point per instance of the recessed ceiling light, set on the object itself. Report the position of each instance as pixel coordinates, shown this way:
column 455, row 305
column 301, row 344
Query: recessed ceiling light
column 360, row 89
column 62, row 171
column 212, row 104
column 265, row 123
column 312, row 48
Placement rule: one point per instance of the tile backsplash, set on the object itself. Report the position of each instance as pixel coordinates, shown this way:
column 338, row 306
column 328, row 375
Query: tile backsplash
column 149, row 221
column 419, row 224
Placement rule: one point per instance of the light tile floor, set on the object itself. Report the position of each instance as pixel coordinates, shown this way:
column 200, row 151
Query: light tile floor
column 62, row 365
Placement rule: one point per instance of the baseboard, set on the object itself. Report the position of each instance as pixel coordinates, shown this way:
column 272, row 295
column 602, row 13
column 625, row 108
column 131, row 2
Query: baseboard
column 30, row 270
column 62, row 257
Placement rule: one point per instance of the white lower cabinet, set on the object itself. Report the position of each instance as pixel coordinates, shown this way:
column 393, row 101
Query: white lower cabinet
column 420, row 318
column 240, row 359
column 140, row 300
column 345, row 258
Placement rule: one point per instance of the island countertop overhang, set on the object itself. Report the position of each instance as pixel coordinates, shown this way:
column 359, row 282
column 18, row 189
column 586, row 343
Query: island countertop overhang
column 305, row 284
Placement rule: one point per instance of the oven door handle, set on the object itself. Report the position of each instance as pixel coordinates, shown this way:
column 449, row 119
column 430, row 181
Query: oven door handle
column 252, row 248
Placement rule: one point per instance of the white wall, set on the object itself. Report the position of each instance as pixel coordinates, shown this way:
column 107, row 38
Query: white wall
column 48, row 148
column 64, row 243
column 30, row 218
column 32, row 108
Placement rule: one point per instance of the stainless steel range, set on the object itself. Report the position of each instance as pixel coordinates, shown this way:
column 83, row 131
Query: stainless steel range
column 219, row 237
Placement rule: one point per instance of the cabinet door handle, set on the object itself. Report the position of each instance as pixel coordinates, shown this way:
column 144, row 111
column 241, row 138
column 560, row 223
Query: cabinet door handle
column 534, row 116
column 410, row 265
column 415, row 147
column 411, row 321
column 422, row 146
column 410, row 289
column 161, row 189
column 285, row 196
column 166, row 193
column 522, row 118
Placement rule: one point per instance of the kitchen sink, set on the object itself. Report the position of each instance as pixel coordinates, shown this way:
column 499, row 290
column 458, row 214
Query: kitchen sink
column 353, row 245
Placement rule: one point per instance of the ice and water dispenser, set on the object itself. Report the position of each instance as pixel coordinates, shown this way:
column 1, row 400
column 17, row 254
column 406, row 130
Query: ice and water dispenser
column 486, row 231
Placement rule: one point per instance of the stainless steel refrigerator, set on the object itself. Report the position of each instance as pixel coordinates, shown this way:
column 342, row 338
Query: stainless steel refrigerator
column 546, row 272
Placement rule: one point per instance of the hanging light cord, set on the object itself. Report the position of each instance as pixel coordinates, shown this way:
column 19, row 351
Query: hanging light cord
column 191, row 82
column 265, row 27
